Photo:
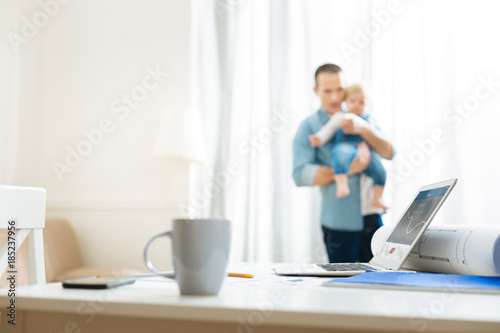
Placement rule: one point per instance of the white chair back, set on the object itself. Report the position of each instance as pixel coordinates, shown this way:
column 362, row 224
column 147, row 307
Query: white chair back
column 22, row 213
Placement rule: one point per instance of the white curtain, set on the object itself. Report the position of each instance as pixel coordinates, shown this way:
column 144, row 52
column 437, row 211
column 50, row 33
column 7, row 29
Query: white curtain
column 430, row 73
column 9, row 92
column 256, row 59
column 20, row 95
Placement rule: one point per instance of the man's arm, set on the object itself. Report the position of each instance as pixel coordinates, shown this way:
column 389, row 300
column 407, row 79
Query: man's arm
column 324, row 176
column 354, row 124
column 378, row 142
column 304, row 157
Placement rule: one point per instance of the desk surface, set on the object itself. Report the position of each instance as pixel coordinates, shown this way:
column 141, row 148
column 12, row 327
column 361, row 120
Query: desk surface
column 273, row 300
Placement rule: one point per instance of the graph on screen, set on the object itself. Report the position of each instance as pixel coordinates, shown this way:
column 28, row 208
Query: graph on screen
column 416, row 216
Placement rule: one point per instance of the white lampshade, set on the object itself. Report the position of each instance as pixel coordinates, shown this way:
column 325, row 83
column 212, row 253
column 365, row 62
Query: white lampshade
column 180, row 136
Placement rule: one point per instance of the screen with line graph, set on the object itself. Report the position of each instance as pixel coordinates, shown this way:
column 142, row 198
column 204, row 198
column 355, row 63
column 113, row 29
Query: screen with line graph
column 417, row 215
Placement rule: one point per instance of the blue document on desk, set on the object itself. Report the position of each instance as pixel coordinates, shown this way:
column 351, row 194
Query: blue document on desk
column 420, row 282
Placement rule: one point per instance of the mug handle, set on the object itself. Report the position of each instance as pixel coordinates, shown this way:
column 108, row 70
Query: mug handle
column 148, row 262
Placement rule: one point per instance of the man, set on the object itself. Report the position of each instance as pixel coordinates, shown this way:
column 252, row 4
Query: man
column 347, row 234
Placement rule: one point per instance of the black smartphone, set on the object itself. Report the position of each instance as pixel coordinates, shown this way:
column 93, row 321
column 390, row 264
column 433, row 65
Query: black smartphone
column 98, row 282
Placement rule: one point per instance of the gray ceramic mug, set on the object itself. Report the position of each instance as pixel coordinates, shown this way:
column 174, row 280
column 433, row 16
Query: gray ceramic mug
column 200, row 249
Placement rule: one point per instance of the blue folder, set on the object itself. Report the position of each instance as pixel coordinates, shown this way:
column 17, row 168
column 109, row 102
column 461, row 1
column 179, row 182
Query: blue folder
column 420, row 281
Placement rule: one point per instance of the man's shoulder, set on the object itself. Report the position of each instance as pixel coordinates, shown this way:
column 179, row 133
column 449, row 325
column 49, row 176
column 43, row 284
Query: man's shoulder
column 311, row 120
column 309, row 125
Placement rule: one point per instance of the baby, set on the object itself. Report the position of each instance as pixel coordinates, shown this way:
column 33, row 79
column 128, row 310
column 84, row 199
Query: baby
column 344, row 149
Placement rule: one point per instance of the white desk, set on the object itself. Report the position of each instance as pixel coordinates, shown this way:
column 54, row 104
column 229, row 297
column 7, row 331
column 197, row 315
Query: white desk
column 267, row 303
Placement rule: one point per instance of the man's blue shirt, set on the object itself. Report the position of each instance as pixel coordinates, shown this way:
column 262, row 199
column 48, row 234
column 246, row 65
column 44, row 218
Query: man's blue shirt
column 336, row 213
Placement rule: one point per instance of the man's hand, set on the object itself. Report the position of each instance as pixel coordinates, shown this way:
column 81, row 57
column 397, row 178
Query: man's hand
column 324, row 176
column 361, row 161
column 353, row 124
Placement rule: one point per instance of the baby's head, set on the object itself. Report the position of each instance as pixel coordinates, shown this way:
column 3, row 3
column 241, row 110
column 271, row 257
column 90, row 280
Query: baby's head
column 355, row 99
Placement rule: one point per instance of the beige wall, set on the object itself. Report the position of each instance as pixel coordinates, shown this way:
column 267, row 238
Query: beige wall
column 74, row 73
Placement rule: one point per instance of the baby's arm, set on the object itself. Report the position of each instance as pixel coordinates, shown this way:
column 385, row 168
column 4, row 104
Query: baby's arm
column 328, row 130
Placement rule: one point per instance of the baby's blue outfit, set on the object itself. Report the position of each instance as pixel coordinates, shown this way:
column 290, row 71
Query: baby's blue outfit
column 344, row 151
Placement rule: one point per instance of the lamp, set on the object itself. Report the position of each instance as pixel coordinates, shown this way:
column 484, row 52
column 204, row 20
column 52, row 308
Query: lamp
column 180, row 138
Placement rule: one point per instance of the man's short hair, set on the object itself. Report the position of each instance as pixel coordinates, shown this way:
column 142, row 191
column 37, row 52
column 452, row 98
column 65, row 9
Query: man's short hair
column 326, row 68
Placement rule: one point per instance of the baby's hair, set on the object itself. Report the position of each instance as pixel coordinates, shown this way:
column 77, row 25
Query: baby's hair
column 358, row 88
